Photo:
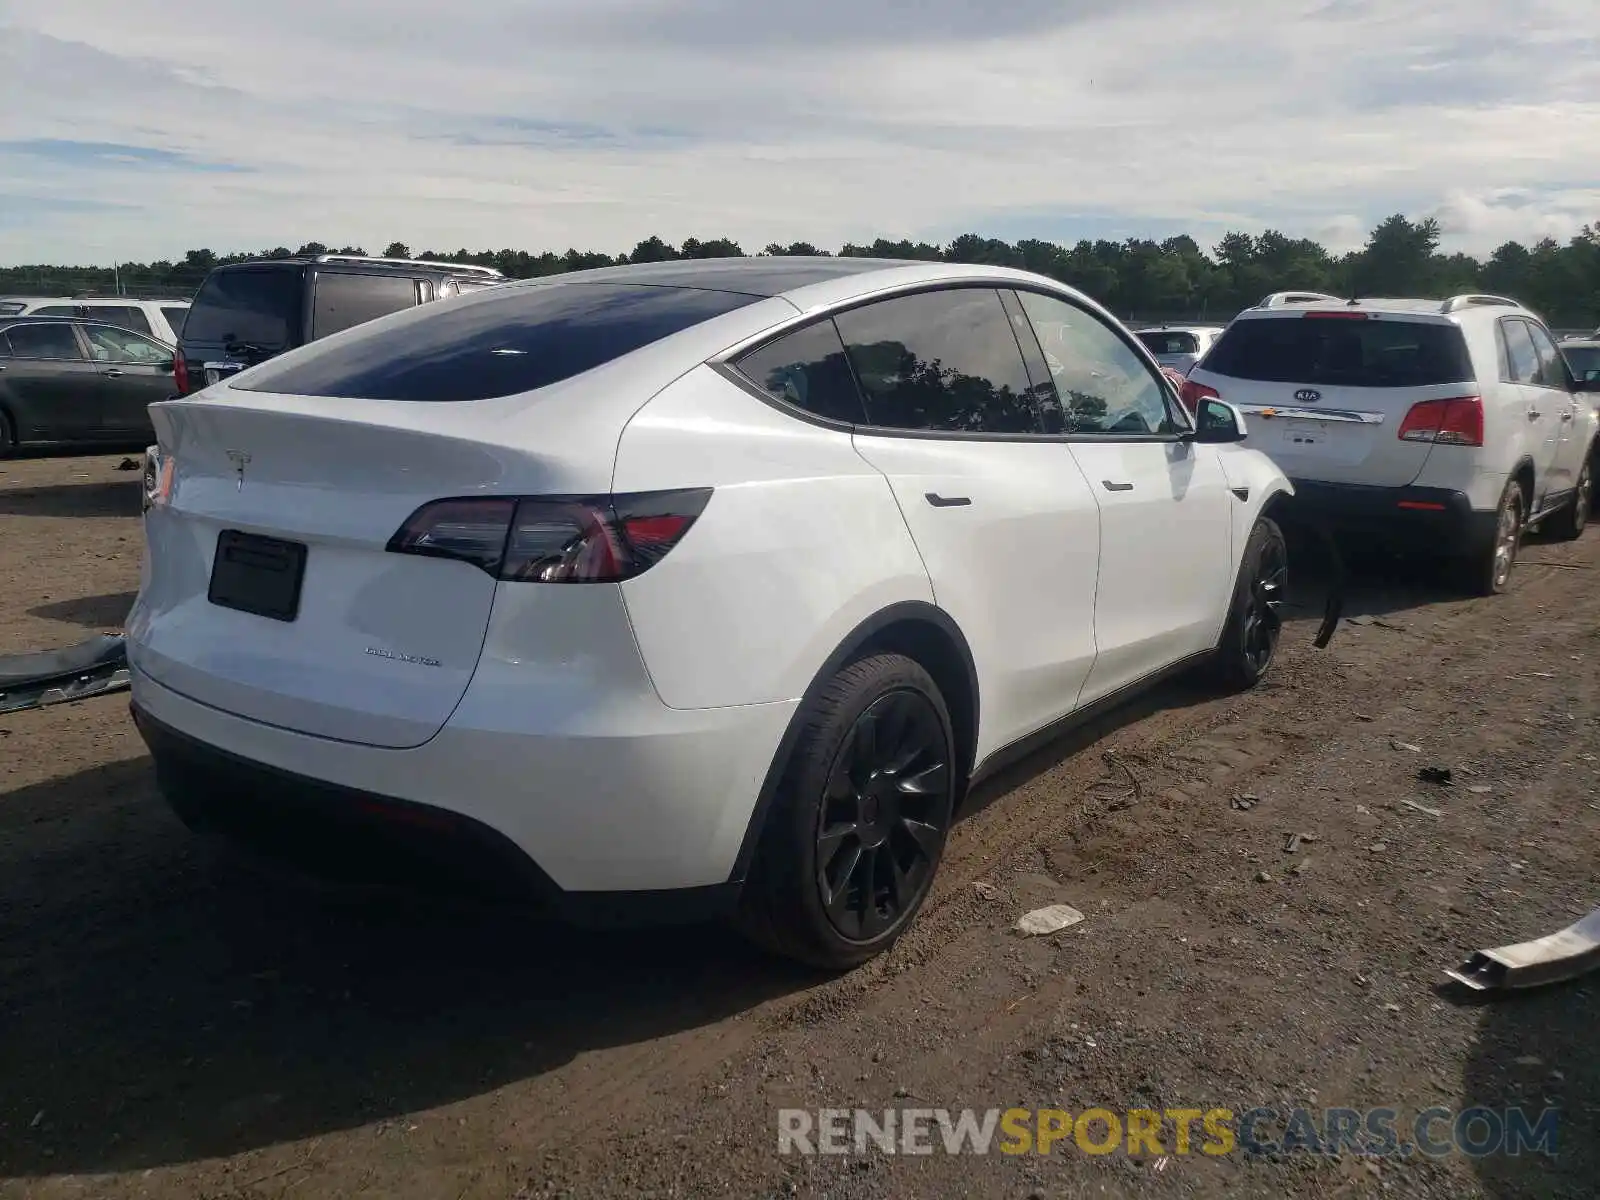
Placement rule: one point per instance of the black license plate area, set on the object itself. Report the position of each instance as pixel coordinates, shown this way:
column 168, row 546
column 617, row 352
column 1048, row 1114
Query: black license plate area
column 259, row 575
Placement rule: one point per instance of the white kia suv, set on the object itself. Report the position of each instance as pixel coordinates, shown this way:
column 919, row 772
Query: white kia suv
column 680, row 588
column 1448, row 427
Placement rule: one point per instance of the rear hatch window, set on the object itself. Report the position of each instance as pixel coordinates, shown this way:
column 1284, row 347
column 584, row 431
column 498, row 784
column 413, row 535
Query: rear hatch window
column 1370, row 353
column 257, row 305
column 1162, row 341
column 1584, row 360
column 498, row 343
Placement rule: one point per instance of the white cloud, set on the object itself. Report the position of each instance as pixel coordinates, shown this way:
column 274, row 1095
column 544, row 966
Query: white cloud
column 593, row 123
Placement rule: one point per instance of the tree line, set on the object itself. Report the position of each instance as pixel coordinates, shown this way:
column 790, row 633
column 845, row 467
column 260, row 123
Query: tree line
column 1137, row 278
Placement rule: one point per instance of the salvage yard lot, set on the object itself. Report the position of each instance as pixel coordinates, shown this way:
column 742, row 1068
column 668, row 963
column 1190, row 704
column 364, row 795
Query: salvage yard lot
column 172, row 1025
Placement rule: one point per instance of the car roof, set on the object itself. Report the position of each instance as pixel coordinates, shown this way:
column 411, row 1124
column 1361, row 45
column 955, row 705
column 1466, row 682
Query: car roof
column 35, row 319
column 751, row 276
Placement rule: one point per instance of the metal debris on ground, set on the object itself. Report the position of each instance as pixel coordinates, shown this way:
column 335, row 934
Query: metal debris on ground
column 1439, row 775
column 1422, row 808
column 987, row 890
column 1052, row 919
column 1396, row 744
column 90, row 668
column 1292, row 843
column 1572, row 952
column 1244, row 801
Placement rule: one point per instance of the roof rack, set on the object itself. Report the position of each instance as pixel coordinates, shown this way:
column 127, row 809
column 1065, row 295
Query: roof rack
column 1280, row 299
column 411, row 262
column 1471, row 299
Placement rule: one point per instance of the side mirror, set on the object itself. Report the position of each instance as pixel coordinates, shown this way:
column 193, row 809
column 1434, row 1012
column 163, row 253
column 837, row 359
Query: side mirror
column 1218, row 423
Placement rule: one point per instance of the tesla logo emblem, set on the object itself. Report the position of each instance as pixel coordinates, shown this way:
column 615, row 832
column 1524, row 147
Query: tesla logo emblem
column 1308, row 395
column 239, row 459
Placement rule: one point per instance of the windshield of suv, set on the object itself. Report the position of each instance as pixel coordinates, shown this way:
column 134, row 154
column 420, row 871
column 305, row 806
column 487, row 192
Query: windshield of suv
column 1584, row 360
column 259, row 305
column 1170, row 341
column 1342, row 352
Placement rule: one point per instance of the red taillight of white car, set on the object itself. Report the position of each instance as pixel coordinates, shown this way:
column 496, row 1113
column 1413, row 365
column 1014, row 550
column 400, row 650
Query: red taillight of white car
column 554, row 539
column 1457, row 421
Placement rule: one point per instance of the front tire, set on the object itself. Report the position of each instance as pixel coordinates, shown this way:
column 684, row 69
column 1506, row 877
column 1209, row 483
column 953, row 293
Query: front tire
column 1250, row 637
column 859, row 822
column 1569, row 523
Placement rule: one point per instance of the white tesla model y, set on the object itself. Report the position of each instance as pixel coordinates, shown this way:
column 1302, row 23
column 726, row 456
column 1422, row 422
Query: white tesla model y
column 695, row 587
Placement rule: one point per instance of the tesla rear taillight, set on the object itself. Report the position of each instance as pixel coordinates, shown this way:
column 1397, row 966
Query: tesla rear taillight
column 180, row 374
column 1191, row 393
column 554, row 539
column 1457, row 421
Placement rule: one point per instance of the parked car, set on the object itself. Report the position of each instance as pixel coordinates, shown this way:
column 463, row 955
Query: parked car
column 65, row 381
column 247, row 312
column 161, row 319
column 1583, row 358
column 1179, row 347
column 1448, row 427
column 684, row 588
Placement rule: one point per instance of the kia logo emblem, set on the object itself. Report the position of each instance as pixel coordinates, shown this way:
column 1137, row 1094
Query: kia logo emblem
column 1308, row 395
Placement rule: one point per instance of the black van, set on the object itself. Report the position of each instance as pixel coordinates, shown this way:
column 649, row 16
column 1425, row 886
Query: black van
column 247, row 312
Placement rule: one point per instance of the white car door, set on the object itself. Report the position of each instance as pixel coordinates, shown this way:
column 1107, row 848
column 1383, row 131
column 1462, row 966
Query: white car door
column 1005, row 522
column 1537, row 407
column 1166, row 552
column 1572, row 436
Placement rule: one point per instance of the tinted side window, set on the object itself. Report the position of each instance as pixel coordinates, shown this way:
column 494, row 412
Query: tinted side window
column 175, row 317
column 497, row 343
column 342, row 300
column 124, row 316
column 110, row 344
column 1104, row 386
column 55, row 310
column 1552, row 367
column 807, row 368
column 943, row 360
column 44, row 341
column 1522, row 360
column 259, row 305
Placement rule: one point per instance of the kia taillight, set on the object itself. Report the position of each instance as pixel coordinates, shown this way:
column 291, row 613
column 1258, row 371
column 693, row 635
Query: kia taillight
column 1457, row 421
column 180, row 374
column 1191, row 393
column 554, row 539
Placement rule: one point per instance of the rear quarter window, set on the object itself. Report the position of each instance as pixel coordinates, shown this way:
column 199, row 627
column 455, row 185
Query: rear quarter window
column 1342, row 352
column 344, row 299
column 497, row 343
column 260, row 305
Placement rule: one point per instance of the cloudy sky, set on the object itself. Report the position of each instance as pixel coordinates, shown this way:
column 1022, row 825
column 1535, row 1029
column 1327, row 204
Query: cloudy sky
column 135, row 129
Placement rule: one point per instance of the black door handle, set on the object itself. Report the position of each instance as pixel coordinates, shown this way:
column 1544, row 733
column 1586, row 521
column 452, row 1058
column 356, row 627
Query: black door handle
column 114, row 373
column 939, row 501
column 1116, row 487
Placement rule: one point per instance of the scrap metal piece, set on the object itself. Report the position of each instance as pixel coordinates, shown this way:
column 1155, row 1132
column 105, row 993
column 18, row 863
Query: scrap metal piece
column 1335, row 601
column 90, row 668
column 1557, row 957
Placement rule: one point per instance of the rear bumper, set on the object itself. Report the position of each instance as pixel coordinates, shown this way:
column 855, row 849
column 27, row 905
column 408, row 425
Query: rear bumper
column 1438, row 520
column 601, row 828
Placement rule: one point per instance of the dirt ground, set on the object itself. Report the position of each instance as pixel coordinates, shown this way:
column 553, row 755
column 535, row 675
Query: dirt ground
column 172, row 1027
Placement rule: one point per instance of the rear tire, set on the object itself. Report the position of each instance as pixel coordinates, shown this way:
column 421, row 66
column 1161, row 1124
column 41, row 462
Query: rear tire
column 1568, row 524
column 859, row 822
column 1487, row 571
column 1250, row 638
